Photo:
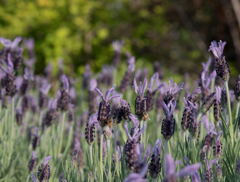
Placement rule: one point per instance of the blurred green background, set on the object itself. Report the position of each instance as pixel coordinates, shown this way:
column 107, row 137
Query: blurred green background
column 178, row 34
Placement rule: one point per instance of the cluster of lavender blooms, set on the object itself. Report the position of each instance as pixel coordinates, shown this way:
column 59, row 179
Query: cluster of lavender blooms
column 205, row 105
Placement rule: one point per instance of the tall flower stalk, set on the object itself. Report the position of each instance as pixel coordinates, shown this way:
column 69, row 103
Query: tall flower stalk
column 223, row 72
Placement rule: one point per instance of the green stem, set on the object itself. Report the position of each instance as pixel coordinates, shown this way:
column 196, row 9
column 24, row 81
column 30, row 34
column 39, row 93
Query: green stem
column 237, row 109
column 229, row 112
column 115, row 148
column 109, row 159
column 62, row 131
column 101, row 150
column 90, row 151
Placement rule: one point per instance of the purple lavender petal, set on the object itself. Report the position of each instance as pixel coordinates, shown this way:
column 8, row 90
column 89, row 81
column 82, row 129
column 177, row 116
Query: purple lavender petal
column 109, row 92
column 165, row 108
column 16, row 42
column 169, row 165
column 189, row 169
column 142, row 130
column 46, row 160
column 65, row 82
column 126, row 129
column 212, row 162
column 33, row 178
column 112, row 97
column 206, row 123
column 144, row 86
column 134, row 120
column 135, row 85
column 195, row 177
column 100, row 93
column 10, row 64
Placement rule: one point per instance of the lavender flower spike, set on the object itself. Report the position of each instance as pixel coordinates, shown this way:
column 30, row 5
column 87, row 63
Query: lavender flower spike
column 104, row 113
column 217, row 50
column 170, row 169
column 90, row 129
column 155, row 164
column 142, row 87
column 44, row 169
column 209, row 173
column 172, row 94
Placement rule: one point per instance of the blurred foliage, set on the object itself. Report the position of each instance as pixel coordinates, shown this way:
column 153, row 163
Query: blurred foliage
column 177, row 34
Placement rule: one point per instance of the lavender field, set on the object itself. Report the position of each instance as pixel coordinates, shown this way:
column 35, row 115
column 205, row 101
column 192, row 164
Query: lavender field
column 120, row 124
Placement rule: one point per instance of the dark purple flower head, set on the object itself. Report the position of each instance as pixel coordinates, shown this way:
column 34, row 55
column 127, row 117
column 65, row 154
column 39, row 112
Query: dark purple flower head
column 156, row 149
column 10, row 44
column 65, row 82
column 142, row 87
column 136, row 133
column 209, row 164
column 170, row 169
column 217, row 50
column 92, row 84
column 169, row 110
column 131, row 64
column 137, row 177
column 206, row 81
column 107, row 97
column 173, row 88
column 9, row 67
column 117, row 45
column 218, row 93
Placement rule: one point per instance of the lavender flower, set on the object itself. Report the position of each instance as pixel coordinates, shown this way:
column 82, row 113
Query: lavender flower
column 205, row 70
column 130, row 146
column 19, row 116
column 195, row 177
column 237, row 89
column 155, row 164
column 11, row 47
column 210, row 136
column 90, row 129
column 205, row 84
column 124, row 111
column 64, row 98
column 221, row 65
column 128, row 74
column 172, row 94
column 209, row 173
column 26, row 84
column 218, row 171
column 137, row 177
column 117, row 46
column 51, row 113
column 9, row 79
column 44, row 170
column 35, row 139
column 104, row 116
column 33, row 162
column 152, row 89
column 136, row 127
column 193, row 96
column 217, row 148
column 141, row 102
column 187, row 118
column 140, row 163
column 171, row 175
column 168, row 124
column 87, row 74
column 43, row 100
